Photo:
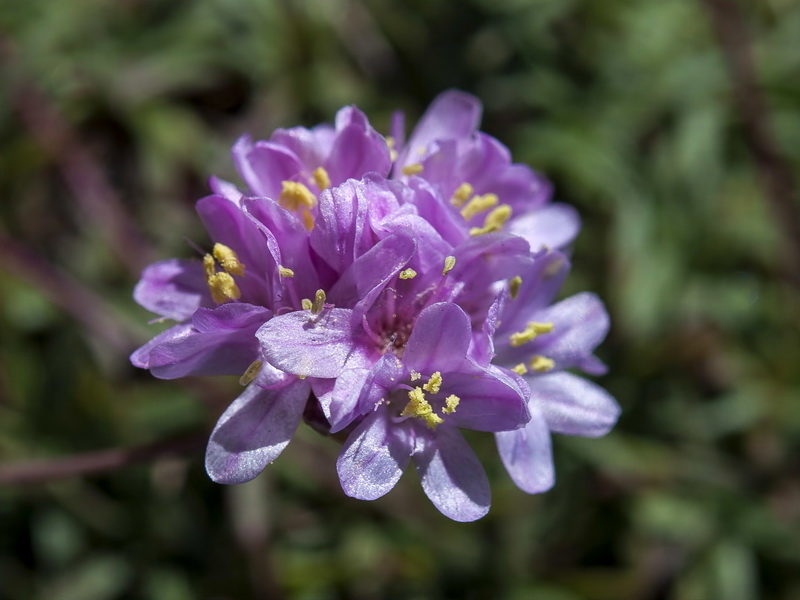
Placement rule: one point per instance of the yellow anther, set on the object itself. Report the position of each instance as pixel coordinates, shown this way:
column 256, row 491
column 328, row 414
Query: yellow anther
column 529, row 333
column 434, row 383
column 415, row 376
column 494, row 220
column 223, row 288
column 306, row 304
column 542, row 364
column 392, row 154
column 308, row 219
column 520, row 369
column 553, row 268
column 461, row 195
column 251, row 372
column 408, row 274
column 450, row 404
column 294, row 195
column 209, row 266
column 319, row 302
column 285, row 271
column 513, row 286
column 228, row 259
column 413, row 169
column 478, row 204
column 418, row 406
column 321, row 178
column 390, row 141
column 449, row 263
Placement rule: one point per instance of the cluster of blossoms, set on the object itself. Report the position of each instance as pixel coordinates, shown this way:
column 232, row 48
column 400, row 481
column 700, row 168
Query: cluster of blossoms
column 396, row 291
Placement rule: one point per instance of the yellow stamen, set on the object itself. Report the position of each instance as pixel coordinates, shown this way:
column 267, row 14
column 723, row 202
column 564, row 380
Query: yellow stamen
column 209, row 266
column 228, row 259
column 461, row 195
column 413, row 169
column 285, row 271
column 529, row 333
column 478, row 204
column 415, row 376
column 494, row 221
column 408, row 274
column 542, row 364
column 451, row 402
column 520, row 369
column 390, row 141
column 306, row 304
column 434, row 383
column 449, row 263
column 553, row 268
column 308, row 220
column 513, row 286
column 223, row 288
column 319, row 302
column 294, row 195
column 321, row 178
column 392, row 154
column 251, row 372
column 418, row 406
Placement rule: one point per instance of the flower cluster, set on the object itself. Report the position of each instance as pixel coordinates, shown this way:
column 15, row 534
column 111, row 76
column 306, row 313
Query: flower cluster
column 396, row 291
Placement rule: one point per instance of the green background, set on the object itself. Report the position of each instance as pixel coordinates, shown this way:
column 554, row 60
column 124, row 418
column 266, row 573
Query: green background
column 114, row 114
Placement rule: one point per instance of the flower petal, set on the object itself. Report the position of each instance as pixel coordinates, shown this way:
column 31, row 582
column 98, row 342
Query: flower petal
column 373, row 458
column 217, row 342
column 440, row 339
column 253, row 431
column 264, row 166
column 573, row 405
column 311, row 345
column 494, row 401
column 554, row 225
column 173, row 288
column 452, row 477
column 357, row 149
column 451, row 115
column 527, row 455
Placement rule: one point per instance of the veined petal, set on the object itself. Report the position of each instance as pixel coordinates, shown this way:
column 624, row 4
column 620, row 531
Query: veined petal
column 554, row 226
column 451, row 115
column 493, row 401
column 440, row 339
column 311, row 345
column 254, row 430
column 357, row 149
column 173, row 288
column 527, row 454
column 373, row 458
column 573, row 405
column 218, row 341
column 452, row 477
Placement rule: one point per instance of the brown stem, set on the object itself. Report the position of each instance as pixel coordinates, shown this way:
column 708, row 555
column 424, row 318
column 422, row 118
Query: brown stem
column 40, row 471
column 776, row 174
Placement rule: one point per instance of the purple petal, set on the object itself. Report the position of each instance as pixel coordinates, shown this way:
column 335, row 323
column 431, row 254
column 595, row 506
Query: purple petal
column 580, row 324
column 264, row 166
column 452, row 476
column 173, row 288
column 253, row 431
column 527, row 455
column 340, row 234
column 340, row 406
column 440, row 339
column 451, row 115
column 217, row 342
column 373, row 458
column 369, row 274
column 553, row 226
column 357, row 149
column 494, row 401
column 311, row 345
column 573, row 405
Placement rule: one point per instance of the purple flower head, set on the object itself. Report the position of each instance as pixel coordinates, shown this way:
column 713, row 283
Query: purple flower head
column 401, row 310
column 474, row 174
column 539, row 341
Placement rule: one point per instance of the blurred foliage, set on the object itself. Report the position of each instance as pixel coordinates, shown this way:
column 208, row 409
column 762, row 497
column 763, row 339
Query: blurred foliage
column 113, row 115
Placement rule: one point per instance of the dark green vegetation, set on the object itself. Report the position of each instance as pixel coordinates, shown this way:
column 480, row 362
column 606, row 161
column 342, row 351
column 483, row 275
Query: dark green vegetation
column 113, row 114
